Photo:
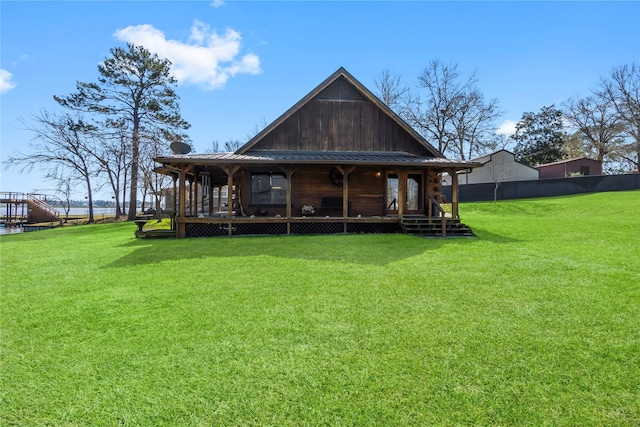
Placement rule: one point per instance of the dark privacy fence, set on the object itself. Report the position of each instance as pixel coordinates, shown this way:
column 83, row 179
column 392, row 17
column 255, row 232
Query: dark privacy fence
column 546, row 187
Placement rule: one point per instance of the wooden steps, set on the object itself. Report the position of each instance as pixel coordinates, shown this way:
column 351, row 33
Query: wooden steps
column 422, row 226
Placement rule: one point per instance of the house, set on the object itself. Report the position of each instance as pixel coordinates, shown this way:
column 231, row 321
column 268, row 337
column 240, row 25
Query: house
column 499, row 166
column 338, row 161
column 571, row 167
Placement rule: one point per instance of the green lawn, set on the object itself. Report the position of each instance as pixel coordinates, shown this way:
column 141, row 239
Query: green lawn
column 536, row 322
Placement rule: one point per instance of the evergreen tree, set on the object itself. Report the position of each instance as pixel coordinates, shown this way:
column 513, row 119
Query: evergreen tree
column 134, row 95
column 539, row 137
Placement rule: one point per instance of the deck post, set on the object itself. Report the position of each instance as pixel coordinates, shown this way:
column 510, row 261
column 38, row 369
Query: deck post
column 454, row 193
column 402, row 189
column 174, row 212
column 289, row 171
column 230, row 170
column 345, row 171
column 229, row 200
column 182, row 202
column 183, row 199
column 210, row 196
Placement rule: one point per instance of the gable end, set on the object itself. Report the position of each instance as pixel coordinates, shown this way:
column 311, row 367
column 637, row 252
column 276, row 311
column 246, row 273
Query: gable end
column 340, row 90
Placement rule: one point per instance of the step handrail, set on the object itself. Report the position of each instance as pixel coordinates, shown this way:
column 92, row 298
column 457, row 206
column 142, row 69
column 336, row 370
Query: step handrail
column 42, row 205
column 441, row 211
column 439, row 208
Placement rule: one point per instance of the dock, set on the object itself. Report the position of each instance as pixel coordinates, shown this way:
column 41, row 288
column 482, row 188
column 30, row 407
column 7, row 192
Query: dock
column 19, row 209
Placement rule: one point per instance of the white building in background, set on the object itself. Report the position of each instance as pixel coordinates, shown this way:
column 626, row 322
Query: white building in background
column 499, row 166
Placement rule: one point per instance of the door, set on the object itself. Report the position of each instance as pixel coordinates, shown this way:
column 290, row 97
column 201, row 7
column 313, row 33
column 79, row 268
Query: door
column 413, row 193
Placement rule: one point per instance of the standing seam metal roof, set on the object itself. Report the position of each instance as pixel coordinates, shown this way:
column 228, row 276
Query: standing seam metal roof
column 311, row 157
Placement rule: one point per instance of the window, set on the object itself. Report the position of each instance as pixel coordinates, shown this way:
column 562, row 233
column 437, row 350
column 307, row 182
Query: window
column 268, row 189
column 584, row 170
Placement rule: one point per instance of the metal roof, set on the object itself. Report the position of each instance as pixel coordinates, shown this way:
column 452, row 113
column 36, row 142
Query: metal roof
column 315, row 157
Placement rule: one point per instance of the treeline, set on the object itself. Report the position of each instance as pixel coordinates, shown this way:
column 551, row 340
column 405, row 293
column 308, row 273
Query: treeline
column 450, row 111
column 110, row 131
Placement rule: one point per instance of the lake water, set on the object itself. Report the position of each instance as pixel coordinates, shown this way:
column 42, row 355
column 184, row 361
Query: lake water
column 98, row 213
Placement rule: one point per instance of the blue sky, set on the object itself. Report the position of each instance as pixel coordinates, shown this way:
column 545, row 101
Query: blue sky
column 243, row 63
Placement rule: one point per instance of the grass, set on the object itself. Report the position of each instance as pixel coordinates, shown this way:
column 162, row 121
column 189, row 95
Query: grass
column 535, row 323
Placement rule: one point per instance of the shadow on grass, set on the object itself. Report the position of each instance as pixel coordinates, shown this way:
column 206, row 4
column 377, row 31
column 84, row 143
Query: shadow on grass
column 366, row 249
column 488, row 236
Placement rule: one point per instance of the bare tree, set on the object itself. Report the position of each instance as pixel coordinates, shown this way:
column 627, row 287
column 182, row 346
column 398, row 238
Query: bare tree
column 390, row 89
column 598, row 124
column 256, row 129
column 232, row 145
column 449, row 111
column 574, row 146
column 473, row 130
column 63, row 193
column 622, row 88
column 154, row 183
column 498, row 176
column 432, row 114
column 112, row 152
column 215, row 147
column 61, row 146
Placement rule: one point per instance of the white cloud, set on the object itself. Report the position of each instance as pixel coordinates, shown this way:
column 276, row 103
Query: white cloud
column 5, row 81
column 217, row 3
column 208, row 59
column 507, row 128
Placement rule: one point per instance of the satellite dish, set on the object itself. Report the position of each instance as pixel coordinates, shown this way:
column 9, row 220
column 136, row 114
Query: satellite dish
column 180, row 148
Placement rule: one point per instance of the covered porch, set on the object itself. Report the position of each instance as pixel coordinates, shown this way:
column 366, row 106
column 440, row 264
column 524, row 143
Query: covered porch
column 231, row 194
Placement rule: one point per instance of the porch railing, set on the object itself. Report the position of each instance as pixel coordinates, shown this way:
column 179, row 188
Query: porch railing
column 441, row 212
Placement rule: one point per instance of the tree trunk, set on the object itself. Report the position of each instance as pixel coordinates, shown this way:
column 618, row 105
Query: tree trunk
column 133, row 194
column 89, row 199
column 124, row 195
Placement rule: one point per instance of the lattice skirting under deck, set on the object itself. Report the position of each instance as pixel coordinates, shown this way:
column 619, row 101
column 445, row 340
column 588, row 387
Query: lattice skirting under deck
column 243, row 229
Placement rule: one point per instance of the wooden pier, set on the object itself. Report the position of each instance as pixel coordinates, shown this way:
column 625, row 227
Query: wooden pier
column 18, row 209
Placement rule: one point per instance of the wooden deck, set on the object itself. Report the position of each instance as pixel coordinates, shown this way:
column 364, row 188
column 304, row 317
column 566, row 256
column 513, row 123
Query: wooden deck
column 21, row 208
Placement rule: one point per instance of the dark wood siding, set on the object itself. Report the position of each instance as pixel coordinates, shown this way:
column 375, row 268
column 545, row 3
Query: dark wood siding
column 312, row 183
column 330, row 125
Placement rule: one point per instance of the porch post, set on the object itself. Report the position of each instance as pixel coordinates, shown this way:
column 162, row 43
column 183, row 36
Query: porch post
column 210, row 196
column 427, row 191
column 289, row 171
column 190, row 197
column 196, row 202
column 204, row 188
column 175, row 201
column 402, row 189
column 230, row 170
column 454, row 193
column 346, row 171
column 183, row 200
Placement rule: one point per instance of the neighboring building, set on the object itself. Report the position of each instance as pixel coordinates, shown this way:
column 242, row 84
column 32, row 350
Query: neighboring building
column 571, row 167
column 499, row 166
column 337, row 161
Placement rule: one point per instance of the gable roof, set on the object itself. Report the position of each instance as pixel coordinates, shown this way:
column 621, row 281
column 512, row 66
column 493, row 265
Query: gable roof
column 331, row 84
column 489, row 157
